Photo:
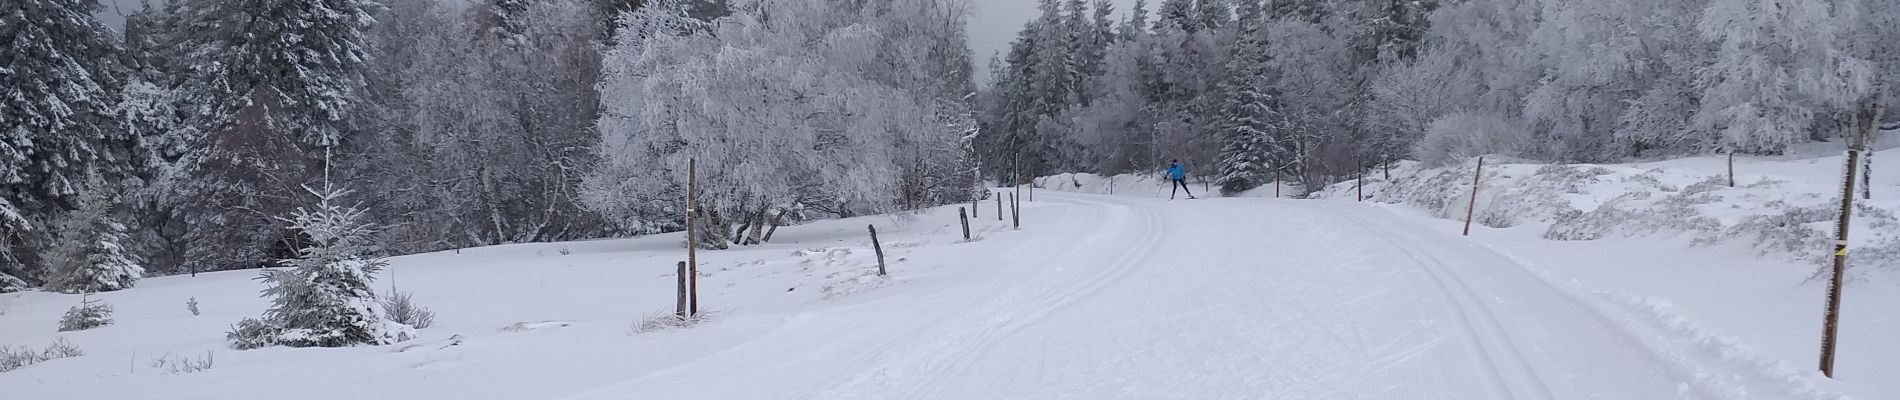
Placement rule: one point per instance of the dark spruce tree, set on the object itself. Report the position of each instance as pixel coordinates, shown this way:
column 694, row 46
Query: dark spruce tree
column 1248, row 114
column 263, row 87
column 60, row 76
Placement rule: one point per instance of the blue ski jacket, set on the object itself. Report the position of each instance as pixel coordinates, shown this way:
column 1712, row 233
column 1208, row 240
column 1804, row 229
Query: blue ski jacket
column 1177, row 172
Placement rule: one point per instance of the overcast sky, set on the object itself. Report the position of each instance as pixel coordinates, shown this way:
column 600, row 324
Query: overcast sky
column 998, row 21
column 992, row 28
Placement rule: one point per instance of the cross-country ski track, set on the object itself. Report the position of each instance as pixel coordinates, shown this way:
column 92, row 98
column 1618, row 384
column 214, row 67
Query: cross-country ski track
column 1096, row 297
column 1133, row 298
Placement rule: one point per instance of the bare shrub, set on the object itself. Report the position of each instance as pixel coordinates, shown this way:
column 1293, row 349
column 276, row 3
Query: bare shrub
column 667, row 320
column 12, row 358
column 178, row 364
column 192, row 305
column 1462, row 135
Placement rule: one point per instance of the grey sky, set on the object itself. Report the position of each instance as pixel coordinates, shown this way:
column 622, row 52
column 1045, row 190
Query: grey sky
column 992, row 28
column 997, row 22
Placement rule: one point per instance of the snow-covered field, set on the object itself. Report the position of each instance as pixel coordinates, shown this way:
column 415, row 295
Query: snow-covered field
column 1097, row 297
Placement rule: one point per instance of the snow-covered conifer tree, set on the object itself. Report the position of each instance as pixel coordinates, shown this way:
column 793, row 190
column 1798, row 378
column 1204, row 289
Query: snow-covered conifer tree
column 262, row 87
column 1249, row 114
column 60, row 75
column 323, row 297
column 90, row 255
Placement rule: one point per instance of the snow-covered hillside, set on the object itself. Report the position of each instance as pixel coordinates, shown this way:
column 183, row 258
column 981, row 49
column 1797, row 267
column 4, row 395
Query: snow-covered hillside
column 1097, row 297
column 1783, row 208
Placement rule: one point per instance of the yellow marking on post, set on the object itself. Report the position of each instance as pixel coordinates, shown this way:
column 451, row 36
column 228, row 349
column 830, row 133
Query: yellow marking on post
column 1842, row 252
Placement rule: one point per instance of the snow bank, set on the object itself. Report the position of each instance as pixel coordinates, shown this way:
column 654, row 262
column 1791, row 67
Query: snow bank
column 1125, row 184
column 1781, row 207
column 1147, row 185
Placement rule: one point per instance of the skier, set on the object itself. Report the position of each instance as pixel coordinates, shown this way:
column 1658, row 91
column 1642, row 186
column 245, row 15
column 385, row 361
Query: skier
column 1178, row 174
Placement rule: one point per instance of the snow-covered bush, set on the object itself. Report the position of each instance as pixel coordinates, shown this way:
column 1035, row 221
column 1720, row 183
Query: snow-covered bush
column 324, row 298
column 192, row 305
column 667, row 320
column 1778, row 218
column 252, row 333
column 89, row 255
column 403, row 309
column 87, row 315
column 12, row 358
column 1461, row 135
column 819, row 104
column 11, row 284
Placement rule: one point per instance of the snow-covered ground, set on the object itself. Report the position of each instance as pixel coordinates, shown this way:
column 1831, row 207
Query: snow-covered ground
column 1097, row 297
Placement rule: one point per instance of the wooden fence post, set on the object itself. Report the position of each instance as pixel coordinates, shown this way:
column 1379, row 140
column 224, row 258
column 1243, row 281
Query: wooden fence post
column 1361, row 186
column 1016, row 212
column 965, row 218
column 679, row 307
column 879, row 248
column 999, row 208
column 1731, row 168
column 1866, row 119
column 1388, row 168
column 1276, row 182
column 1476, row 179
column 692, row 236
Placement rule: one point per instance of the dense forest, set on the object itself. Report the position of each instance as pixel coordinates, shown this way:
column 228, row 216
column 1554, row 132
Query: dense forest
column 188, row 140
column 1319, row 89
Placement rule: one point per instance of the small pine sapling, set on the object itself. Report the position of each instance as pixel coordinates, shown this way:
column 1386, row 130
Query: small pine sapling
column 403, row 309
column 324, row 298
column 89, row 255
column 87, row 315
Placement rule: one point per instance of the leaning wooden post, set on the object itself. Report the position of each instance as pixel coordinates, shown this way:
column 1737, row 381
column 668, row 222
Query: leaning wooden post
column 1832, row 325
column 679, row 307
column 1476, row 179
column 692, row 236
column 1731, row 168
column 965, row 218
column 1865, row 120
column 879, row 248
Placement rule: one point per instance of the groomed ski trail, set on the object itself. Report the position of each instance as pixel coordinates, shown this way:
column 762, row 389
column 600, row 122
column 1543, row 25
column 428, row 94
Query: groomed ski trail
column 1128, row 298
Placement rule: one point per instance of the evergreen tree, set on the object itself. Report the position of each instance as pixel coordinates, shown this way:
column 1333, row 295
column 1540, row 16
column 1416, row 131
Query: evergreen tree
column 1399, row 26
column 60, row 76
column 324, row 298
column 1249, row 113
column 90, row 255
column 1214, row 14
column 1136, row 24
column 262, row 87
column 1179, row 14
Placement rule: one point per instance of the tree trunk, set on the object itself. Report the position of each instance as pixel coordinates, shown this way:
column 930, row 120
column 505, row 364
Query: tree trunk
column 758, row 226
column 712, row 235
